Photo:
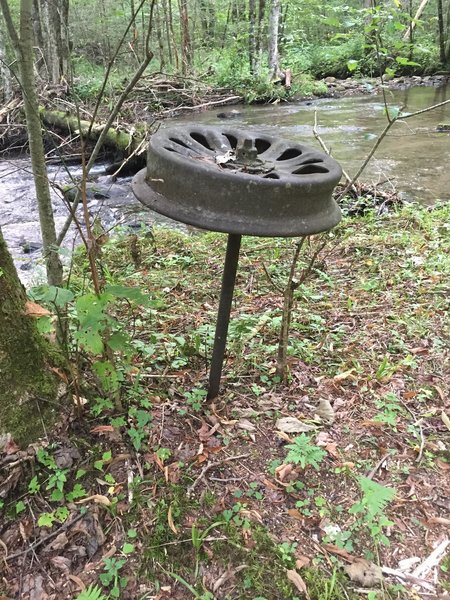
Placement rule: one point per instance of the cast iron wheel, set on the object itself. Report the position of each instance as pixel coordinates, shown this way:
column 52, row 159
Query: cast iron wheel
column 239, row 181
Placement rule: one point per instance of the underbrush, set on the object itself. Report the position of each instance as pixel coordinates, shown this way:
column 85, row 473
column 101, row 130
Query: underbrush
column 276, row 489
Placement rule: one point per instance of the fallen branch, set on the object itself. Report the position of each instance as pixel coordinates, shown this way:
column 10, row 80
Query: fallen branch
column 213, row 465
column 432, row 561
column 220, row 102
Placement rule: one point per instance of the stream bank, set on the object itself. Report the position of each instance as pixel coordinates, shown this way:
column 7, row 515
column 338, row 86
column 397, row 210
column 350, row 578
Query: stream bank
column 411, row 160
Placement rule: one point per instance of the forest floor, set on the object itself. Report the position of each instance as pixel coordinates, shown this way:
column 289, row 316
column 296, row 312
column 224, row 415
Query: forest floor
column 331, row 486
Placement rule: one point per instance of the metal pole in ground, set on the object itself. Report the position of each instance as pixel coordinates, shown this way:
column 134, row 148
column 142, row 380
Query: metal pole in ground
column 223, row 316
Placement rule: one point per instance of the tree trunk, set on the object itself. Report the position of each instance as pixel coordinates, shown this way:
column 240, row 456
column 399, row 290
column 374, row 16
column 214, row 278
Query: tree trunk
column 259, row 33
column 447, row 43
column 50, row 26
column 186, row 48
column 120, row 141
column 440, row 11
column 5, row 73
column 252, row 36
column 24, row 51
column 28, row 389
column 274, row 26
column 417, row 16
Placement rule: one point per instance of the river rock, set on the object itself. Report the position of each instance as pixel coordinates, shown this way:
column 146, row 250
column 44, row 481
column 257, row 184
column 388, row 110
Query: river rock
column 30, row 247
column 229, row 114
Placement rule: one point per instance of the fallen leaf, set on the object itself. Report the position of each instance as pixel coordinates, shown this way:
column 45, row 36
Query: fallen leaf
column 332, row 449
column 78, row 582
column 445, row 466
column 293, row 425
column 295, row 514
column 283, row 471
column 302, row 561
column 60, row 374
column 445, row 419
column 31, row 309
column 364, row 572
column 344, row 375
column 339, row 551
column 79, row 400
column 246, row 425
column 440, row 392
column 10, row 446
column 102, row 429
column 325, row 411
column 253, row 515
column 295, row 578
column 97, row 498
column 205, row 432
column 170, row 521
column 438, row 520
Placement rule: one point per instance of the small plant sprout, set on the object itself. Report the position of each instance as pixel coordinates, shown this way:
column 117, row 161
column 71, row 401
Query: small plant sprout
column 305, row 453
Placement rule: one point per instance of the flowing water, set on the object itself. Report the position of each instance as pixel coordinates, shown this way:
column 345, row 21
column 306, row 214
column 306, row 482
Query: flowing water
column 414, row 157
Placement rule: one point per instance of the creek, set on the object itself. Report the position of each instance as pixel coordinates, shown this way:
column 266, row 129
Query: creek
column 413, row 158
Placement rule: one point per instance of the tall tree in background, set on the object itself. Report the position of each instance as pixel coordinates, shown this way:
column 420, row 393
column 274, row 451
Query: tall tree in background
column 186, row 46
column 23, row 44
column 274, row 29
column 252, row 59
column 28, row 387
column 50, row 26
column 5, row 73
column 441, row 28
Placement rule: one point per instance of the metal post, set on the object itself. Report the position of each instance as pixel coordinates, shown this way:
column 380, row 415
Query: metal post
column 223, row 316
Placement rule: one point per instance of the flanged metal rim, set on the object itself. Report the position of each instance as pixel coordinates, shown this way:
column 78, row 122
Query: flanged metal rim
column 239, row 181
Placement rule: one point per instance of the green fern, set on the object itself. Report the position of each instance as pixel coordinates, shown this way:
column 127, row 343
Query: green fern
column 302, row 452
column 91, row 593
column 374, row 500
column 371, row 508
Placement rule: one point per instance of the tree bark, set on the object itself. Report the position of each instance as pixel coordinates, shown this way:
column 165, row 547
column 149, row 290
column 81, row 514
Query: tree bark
column 121, row 141
column 186, row 47
column 274, row 27
column 417, row 16
column 441, row 29
column 5, row 73
column 50, row 26
column 252, row 36
column 28, row 389
column 24, row 51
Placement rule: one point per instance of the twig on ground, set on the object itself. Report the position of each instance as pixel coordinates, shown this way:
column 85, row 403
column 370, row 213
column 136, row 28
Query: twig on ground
column 411, row 578
column 51, row 535
column 433, row 560
column 213, row 465
column 379, row 464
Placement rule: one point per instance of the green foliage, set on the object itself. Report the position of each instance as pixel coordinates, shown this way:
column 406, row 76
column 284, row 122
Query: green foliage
column 93, row 592
column 371, row 507
column 305, row 453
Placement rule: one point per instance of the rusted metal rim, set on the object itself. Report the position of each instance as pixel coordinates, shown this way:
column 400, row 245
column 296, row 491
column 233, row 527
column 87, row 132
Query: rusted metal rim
column 239, row 181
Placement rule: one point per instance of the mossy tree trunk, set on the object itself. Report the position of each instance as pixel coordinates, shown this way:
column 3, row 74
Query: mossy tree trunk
column 29, row 390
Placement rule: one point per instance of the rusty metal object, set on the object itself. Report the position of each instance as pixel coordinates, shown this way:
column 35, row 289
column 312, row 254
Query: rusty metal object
column 239, row 181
